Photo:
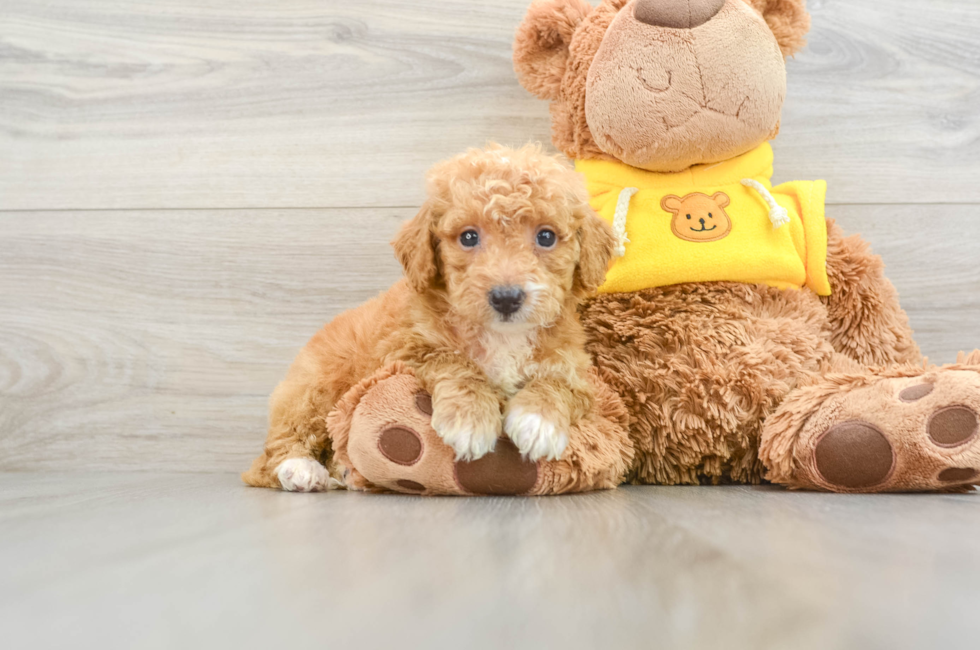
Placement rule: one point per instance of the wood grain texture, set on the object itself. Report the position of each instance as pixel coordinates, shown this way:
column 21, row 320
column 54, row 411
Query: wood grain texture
column 113, row 560
column 152, row 339
column 331, row 103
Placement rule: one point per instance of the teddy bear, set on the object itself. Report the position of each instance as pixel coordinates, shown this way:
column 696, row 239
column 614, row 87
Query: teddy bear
column 747, row 336
column 740, row 335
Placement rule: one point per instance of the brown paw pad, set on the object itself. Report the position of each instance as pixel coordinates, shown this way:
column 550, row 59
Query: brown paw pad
column 423, row 402
column 958, row 475
column 915, row 393
column 854, row 455
column 953, row 426
column 502, row 472
column 400, row 445
column 410, row 485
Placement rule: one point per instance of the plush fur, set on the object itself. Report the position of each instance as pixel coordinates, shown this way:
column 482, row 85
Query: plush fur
column 523, row 374
column 709, row 372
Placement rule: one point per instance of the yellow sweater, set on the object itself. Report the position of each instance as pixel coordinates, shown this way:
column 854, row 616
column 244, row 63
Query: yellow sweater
column 721, row 222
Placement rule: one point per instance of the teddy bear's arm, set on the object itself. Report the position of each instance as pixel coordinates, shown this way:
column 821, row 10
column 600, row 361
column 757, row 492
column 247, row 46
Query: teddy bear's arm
column 867, row 322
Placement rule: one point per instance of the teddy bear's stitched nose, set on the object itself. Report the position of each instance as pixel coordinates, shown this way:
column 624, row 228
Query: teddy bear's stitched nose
column 677, row 14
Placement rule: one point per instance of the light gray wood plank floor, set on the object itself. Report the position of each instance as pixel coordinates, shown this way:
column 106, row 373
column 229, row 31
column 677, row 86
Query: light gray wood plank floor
column 105, row 560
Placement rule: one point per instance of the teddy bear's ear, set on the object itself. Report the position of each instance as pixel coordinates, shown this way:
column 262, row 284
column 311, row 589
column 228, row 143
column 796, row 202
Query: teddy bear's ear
column 542, row 42
column 721, row 200
column 788, row 20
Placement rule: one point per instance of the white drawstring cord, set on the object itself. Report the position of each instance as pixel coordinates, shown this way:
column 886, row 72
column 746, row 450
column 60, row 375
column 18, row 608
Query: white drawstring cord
column 619, row 220
column 777, row 213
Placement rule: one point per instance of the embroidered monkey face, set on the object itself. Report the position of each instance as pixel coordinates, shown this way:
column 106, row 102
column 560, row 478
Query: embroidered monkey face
column 699, row 217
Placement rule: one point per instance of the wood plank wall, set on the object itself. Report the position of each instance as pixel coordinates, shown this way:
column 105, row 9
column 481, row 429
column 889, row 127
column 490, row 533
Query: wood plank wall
column 190, row 188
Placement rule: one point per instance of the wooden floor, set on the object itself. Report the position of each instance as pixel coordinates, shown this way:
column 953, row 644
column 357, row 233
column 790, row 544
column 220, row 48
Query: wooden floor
column 190, row 188
column 185, row 561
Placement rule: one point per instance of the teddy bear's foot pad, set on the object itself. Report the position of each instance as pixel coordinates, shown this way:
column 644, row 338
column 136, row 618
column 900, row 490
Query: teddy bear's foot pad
column 396, row 449
column 383, row 441
column 890, row 434
column 502, row 472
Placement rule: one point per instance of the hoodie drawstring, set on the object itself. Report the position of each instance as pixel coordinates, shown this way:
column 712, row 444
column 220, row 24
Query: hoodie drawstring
column 777, row 213
column 619, row 220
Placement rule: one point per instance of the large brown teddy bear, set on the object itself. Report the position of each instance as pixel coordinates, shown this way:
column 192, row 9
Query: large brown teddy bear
column 740, row 335
column 667, row 107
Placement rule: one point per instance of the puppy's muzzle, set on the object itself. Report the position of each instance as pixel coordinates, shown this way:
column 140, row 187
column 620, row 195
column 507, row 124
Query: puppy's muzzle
column 506, row 300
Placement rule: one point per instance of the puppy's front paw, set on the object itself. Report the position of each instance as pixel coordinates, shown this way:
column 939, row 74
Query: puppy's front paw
column 471, row 433
column 535, row 436
column 304, row 475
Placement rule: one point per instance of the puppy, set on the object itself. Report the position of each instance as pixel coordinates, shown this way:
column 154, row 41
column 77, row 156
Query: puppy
column 495, row 263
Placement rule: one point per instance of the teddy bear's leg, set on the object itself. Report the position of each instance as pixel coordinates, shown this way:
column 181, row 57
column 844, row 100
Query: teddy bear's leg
column 867, row 322
column 700, row 367
column 383, row 441
column 897, row 430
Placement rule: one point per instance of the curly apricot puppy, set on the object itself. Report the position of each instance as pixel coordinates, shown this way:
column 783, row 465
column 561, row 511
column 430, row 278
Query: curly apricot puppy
column 496, row 263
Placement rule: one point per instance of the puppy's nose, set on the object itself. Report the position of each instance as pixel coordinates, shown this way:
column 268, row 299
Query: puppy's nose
column 506, row 300
column 677, row 14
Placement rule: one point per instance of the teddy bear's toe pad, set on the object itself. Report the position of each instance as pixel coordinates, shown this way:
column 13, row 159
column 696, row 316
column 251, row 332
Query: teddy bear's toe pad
column 958, row 475
column 953, row 426
column 854, row 455
column 400, row 445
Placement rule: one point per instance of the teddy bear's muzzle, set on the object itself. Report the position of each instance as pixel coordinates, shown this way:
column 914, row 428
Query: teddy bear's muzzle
column 676, row 14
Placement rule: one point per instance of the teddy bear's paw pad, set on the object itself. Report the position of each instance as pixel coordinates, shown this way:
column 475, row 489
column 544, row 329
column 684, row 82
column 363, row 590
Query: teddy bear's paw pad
column 958, row 475
column 423, row 402
column 304, row 475
column 899, row 434
column 953, row 426
column 854, row 455
column 916, row 392
column 400, row 445
column 392, row 444
column 502, row 472
column 410, row 486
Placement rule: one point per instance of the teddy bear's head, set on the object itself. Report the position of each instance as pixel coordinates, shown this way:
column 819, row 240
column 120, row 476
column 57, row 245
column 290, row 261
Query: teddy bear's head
column 660, row 84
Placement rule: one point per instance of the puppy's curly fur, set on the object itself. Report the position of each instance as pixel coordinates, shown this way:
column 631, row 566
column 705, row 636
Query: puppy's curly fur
column 489, row 372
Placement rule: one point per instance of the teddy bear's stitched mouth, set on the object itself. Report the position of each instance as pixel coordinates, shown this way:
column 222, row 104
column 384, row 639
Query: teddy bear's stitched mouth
column 703, row 229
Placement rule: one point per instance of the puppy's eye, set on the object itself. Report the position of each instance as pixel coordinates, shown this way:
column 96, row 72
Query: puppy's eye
column 469, row 238
column 547, row 238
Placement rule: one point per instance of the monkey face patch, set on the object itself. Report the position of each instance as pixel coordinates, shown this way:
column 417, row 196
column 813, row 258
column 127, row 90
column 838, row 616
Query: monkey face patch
column 699, row 217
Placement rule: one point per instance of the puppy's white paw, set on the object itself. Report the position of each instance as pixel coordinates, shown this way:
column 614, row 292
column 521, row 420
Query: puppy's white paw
column 304, row 475
column 535, row 436
column 469, row 439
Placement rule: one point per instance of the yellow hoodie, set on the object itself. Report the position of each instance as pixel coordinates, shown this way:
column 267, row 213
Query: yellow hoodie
column 721, row 222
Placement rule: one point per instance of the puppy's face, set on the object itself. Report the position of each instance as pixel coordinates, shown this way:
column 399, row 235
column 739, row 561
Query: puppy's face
column 507, row 237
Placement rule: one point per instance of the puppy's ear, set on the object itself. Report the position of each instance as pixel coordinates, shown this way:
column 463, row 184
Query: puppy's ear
column 542, row 42
column 415, row 248
column 788, row 20
column 597, row 244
